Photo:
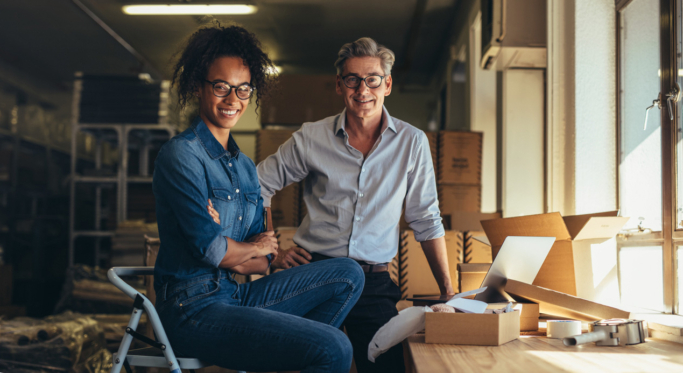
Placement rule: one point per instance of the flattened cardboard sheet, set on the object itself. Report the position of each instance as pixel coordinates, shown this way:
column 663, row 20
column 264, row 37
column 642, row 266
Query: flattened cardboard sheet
column 558, row 304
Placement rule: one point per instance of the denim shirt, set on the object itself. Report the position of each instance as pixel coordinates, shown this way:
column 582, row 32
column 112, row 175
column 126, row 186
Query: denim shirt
column 189, row 169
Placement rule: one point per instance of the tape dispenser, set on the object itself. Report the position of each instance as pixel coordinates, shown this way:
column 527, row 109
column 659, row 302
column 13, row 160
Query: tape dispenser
column 612, row 332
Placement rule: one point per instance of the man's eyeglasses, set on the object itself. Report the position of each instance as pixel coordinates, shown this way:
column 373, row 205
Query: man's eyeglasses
column 223, row 89
column 353, row 81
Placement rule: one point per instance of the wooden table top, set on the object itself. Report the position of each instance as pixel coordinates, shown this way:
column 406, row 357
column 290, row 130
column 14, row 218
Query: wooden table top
column 541, row 354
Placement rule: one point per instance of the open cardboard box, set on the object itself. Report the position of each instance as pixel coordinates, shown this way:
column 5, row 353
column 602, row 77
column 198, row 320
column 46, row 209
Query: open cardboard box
column 485, row 329
column 529, row 314
column 572, row 234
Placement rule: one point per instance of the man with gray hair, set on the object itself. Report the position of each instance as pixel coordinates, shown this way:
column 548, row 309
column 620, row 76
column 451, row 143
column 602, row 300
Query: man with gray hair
column 359, row 169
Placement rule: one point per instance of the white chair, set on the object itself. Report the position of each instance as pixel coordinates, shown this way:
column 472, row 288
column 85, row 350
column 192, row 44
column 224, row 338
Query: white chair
column 159, row 354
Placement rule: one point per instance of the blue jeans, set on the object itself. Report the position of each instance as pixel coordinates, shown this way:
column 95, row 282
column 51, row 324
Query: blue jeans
column 285, row 321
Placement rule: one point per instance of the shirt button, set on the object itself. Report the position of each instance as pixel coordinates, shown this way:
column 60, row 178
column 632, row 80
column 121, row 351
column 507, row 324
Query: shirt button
column 363, row 170
column 230, row 164
column 353, row 243
column 357, row 218
column 237, row 191
column 240, row 218
column 229, row 198
column 361, row 195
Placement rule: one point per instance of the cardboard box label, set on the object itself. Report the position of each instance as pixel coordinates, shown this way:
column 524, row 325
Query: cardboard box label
column 459, row 157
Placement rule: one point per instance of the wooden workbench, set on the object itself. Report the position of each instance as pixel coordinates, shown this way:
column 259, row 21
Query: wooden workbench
column 540, row 354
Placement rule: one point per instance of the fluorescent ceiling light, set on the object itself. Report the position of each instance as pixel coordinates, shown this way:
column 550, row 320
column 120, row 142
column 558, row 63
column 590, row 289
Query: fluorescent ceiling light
column 177, row 9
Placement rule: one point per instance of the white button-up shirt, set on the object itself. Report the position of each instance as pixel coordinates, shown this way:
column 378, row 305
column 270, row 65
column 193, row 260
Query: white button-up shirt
column 354, row 203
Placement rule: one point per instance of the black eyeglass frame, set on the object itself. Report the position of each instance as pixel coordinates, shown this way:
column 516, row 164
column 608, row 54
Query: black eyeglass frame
column 381, row 78
column 213, row 89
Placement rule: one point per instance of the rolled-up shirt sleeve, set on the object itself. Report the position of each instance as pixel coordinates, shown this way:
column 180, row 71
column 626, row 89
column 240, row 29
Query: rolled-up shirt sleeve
column 179, row 179
column 285, row 167
column 422, row 202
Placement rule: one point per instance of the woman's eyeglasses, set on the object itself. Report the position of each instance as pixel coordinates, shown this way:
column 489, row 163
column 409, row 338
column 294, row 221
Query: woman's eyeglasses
column 223, row 89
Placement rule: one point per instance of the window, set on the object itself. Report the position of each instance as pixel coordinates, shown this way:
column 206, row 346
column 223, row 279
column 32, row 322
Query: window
column 648, row 158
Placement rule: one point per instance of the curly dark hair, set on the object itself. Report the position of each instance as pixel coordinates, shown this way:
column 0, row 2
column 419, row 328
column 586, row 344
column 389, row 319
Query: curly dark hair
column 211, row 42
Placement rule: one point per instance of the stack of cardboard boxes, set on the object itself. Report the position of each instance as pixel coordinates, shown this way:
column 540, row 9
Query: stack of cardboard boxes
column 457, row 163
column 459, row 171
column 285, row 205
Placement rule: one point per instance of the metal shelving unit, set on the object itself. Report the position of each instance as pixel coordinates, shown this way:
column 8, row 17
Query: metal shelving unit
column 116, row 134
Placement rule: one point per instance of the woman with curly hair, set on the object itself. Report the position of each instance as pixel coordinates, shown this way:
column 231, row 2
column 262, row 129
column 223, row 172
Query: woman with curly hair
column 286, row 321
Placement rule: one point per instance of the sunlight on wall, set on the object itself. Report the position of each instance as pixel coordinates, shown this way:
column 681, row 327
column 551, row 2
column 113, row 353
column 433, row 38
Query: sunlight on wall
column 640, row 270
column 640, row 183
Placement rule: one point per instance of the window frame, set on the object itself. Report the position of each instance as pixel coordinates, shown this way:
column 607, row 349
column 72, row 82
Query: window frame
column 669, row 237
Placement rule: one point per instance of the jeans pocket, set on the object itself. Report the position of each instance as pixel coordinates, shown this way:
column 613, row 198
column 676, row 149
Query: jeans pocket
column 197, row 291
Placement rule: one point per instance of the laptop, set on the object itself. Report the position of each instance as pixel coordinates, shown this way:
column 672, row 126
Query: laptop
column 520, row 259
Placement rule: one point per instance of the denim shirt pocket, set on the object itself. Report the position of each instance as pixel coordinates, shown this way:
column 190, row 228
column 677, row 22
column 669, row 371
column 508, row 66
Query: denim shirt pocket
column 250, row 213
column 226, row 203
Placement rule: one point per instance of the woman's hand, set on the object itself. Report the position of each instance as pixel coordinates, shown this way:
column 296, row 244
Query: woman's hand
column 265, row 243
column 214, row 214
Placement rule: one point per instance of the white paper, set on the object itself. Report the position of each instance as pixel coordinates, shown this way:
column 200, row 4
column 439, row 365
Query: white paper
column 468, row 305
column 408, row 322
column 468, row 293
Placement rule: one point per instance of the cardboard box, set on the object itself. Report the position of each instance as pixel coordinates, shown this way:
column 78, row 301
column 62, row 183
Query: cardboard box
column 459, row 157
column 471, row 275
column 307, row 98
column 558, row 270
column 467, row 220
column 415, row 276
column 12, row 311
column 285, row 237
column 476, row 251
column 433, row 138
column 528, row 316
column 558, row 304
column 395, row 269
column 6, row 283
column 472, row 328
column 284, row 207
column 459, row 198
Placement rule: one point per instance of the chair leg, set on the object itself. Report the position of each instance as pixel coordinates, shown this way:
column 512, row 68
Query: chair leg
column 126, row 366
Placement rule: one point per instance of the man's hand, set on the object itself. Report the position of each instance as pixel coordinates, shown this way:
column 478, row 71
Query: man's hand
column 293, row 257
column 265, row 243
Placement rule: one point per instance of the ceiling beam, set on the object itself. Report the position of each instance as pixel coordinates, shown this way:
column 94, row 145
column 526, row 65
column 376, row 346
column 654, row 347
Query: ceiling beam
column 141, row 59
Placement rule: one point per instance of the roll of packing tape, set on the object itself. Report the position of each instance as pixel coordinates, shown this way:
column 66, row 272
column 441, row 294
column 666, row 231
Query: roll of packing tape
column 563, row 328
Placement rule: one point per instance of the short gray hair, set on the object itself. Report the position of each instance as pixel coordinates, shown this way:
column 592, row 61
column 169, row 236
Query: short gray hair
column 365, row 47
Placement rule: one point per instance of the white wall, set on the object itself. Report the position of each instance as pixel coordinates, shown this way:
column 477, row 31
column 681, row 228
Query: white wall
column 582, row 173
column 581, row 122
column 483, row 116
column 595, row 126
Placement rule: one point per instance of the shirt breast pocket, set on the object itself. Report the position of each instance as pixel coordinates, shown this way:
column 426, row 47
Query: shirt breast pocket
column 250, row 213
column 227, row 205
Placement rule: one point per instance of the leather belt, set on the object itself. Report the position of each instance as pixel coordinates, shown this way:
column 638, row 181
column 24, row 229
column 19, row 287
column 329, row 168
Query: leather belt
column 367, row 268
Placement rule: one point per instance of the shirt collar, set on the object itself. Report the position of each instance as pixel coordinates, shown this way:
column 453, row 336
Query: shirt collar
column 209, row 142
column 387, row 123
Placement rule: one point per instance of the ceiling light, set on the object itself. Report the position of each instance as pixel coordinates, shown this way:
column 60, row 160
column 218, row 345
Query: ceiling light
column 177, row 9
column 275, row 70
